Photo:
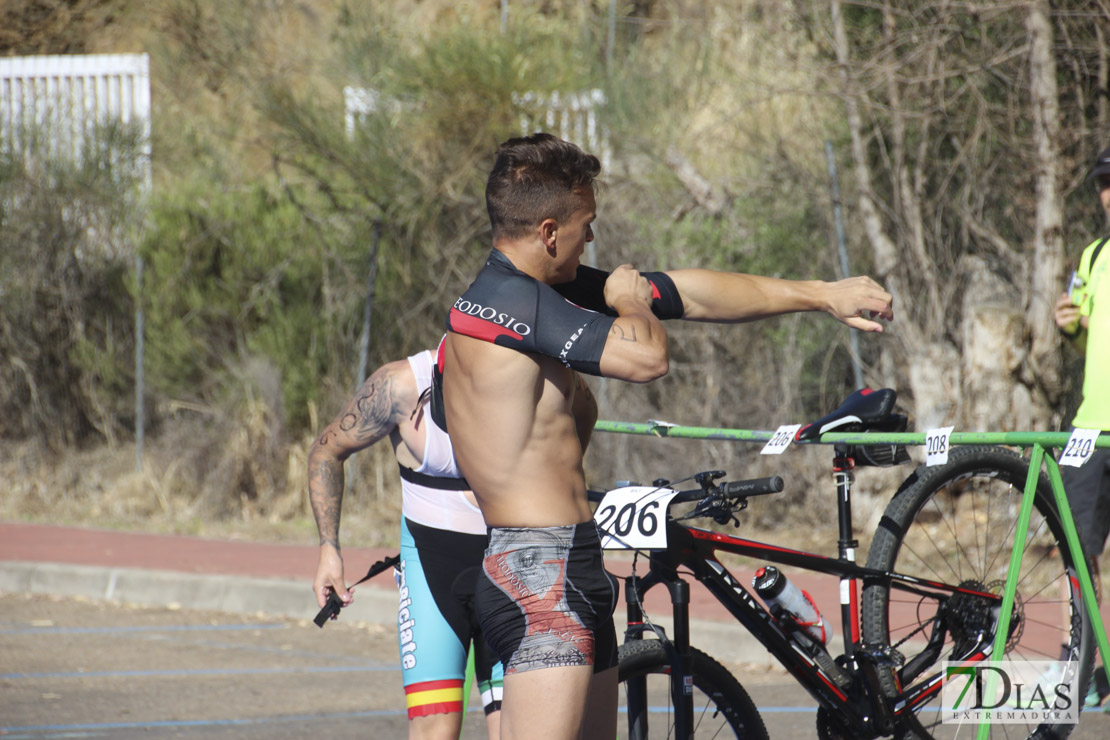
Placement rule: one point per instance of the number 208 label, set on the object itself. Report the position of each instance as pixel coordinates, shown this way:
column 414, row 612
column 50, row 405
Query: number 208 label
column 634, row 517
column 936, row 445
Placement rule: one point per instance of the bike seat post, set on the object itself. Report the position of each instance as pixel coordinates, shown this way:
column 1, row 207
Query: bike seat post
column 843, row 465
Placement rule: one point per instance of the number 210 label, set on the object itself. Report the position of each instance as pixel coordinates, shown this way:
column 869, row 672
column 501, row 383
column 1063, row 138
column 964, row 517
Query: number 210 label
column 1080, row 445
column 634, row 518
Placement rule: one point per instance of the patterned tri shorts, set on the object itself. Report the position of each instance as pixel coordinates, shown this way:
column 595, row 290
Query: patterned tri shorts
column 436, row 621
column 546, row 601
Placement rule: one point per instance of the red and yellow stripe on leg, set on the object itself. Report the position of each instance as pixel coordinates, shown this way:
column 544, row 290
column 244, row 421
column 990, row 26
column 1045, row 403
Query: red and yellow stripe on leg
column 434, row 697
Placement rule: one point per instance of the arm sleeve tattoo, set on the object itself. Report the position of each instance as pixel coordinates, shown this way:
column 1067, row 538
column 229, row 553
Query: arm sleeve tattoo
column 368, row 417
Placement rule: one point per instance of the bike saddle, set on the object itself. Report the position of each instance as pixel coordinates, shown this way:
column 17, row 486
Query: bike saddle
column 866, row 409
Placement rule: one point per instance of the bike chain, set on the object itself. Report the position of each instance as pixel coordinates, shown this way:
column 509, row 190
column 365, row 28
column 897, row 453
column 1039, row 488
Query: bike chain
column 921, row 628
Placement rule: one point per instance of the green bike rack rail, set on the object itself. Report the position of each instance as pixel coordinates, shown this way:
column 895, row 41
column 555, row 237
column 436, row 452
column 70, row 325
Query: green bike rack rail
column 1040, row 442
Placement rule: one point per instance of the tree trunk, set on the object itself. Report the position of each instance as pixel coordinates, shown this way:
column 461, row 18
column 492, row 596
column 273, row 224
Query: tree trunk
column 907, row 194
column 1046, row 266
column 886, row 254
column 993, row 353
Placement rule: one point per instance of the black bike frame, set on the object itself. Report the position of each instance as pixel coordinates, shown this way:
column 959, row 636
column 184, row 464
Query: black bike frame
column 695, row 550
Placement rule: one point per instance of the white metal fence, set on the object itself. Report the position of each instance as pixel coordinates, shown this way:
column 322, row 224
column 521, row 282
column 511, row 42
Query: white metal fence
column 50, row 105
column 571, row 116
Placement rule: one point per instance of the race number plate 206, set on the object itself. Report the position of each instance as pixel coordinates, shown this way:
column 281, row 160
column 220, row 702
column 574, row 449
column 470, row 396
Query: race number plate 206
column 634, row 518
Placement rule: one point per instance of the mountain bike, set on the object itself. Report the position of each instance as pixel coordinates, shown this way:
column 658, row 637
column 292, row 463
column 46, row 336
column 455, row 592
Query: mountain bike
column 931, row 592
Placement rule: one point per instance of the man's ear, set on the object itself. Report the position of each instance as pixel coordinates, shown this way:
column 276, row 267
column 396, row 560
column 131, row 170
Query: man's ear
column 549, row 229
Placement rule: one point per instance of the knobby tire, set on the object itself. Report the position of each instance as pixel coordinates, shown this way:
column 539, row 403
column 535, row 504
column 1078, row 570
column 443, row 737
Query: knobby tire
column 955, row 523
column 722, row 708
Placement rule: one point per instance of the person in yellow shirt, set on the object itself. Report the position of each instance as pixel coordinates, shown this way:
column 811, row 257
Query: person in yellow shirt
column 1083, row 316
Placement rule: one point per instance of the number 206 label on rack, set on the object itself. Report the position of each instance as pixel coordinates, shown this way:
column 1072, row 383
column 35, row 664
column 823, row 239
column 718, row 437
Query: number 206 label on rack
column 634, row 517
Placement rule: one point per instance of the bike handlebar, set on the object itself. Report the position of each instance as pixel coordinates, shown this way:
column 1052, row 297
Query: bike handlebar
column 754, row 487
column 731, row 489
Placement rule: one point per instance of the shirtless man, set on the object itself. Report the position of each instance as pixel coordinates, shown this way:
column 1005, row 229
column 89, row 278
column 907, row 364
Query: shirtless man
column 510, row 393
column 443, row 538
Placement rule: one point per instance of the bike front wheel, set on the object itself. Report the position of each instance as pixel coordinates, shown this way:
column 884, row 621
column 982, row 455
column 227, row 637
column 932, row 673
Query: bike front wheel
column 722, row 708
column 956, row 524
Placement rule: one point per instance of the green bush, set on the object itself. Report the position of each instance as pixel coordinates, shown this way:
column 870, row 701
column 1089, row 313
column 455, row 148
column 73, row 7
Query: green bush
column 66, row 315
column 230, row 275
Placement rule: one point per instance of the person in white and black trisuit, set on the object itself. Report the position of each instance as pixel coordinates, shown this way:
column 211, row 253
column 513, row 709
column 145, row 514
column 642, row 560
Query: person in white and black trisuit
column 443, row 541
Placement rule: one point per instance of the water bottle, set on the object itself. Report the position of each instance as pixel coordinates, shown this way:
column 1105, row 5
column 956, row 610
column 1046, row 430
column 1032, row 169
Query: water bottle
column 789, row 603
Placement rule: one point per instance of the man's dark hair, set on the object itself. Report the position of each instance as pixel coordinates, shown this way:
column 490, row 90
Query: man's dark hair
column 533, row 178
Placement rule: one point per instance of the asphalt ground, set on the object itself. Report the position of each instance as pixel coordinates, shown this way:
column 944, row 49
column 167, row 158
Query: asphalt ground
column 74, row 667
column 276, row 579
column 112, row 635
column 80, row 668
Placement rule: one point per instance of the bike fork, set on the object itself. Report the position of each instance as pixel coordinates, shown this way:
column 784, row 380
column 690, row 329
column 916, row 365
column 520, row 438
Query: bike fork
column 635, row 687
column 682, row 674
column 678, row 651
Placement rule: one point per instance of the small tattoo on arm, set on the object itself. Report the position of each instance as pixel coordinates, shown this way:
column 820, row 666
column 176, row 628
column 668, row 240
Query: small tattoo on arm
column 375, row 416
column 620, row 333
column 370, row 416
column 347, row 423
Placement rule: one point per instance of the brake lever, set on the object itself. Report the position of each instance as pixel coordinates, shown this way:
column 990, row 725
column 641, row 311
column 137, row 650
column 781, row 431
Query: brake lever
column 719, row 509
column 727, row 516
column 707, row 507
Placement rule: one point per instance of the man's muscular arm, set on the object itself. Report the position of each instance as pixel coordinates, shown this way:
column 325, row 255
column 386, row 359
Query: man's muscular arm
column 373, row 413
column 636, row 348
column 708, row 295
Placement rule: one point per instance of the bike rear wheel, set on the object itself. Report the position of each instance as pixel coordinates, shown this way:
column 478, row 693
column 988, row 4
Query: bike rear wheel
column 722, row 709
column 956, row 524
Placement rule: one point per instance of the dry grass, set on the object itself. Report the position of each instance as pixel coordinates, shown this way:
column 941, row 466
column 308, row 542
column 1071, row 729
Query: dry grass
column 200, row 476
column 234, row 477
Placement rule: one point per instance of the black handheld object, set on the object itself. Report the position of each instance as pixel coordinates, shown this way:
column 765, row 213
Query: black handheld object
column 331, row 609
